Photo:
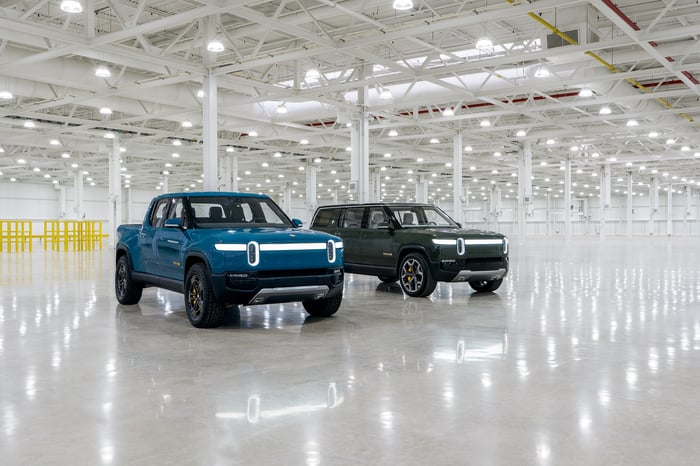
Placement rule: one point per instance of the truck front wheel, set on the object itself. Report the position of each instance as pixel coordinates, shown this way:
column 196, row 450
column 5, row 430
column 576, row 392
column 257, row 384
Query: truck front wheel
column 127, row 290
column 201, row 306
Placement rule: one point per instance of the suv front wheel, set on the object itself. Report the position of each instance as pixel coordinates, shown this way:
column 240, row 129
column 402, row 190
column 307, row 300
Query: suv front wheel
column 201, row 306
column 415, row 277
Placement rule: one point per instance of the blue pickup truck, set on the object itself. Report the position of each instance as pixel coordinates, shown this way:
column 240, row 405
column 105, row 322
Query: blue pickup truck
column 227, row 248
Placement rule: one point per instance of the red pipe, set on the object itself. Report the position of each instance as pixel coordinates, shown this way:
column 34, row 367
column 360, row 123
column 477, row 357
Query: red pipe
column 514, row 101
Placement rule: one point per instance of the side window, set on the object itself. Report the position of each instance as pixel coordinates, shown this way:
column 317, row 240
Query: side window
column 177, row 210
column 377, row 218
column 158, row 213
column 353, row 217
column 326, row 218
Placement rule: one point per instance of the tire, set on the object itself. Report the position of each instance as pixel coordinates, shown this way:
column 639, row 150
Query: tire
column 325, row 307
column 201, row 306
column 415, row 277
column 388, row 279
column 486, row 285
column 128, row 290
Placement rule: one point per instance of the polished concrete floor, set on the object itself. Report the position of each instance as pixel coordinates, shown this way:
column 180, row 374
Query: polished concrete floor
column 589, row 354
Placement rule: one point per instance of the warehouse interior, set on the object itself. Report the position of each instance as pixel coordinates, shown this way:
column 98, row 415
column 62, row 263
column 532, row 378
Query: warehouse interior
column 569, row 125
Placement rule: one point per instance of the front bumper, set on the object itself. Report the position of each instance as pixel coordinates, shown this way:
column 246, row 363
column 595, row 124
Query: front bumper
column 271, row 287
column 472, row 270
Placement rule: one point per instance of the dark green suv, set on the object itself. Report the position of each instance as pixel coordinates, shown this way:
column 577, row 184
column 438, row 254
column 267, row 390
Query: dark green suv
column 416, row 244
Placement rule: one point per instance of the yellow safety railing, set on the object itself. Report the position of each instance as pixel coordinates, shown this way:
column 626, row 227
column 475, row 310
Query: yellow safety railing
column 17, row 234
column 76, row 235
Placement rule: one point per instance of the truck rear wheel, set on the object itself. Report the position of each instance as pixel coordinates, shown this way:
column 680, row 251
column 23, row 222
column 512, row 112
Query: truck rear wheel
column 127, row 290
column 201, row 306
column 323, row 307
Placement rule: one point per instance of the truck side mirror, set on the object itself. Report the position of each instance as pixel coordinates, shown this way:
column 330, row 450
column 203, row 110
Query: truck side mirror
column 297, row 223
column 174, row 223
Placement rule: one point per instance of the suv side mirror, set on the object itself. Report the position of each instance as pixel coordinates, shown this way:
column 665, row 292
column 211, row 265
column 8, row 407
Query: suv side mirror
column 297, row 223
column 174, row 223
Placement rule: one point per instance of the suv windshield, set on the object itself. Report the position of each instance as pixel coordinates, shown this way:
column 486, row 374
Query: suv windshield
column 421, row 216
column 230, row 212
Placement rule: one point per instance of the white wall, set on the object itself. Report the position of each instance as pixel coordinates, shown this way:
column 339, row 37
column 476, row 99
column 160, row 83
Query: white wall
column 38, row 202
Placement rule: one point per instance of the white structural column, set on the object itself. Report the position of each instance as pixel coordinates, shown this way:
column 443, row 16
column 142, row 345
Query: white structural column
column 524, row 185
column 209, row 134
column 630, row 209
column 422, row 190
column 78, row 206
column 287, row 198
column 311, row 200
column 233, row 171
column 605, row 197
column 495, row 203
column 568, row 207
column 376, row 182
column 457, row 195
column 165, row 188
column 653, row 203
column 686, row 210
column 669, row 210
column 114, row 199
column 129, row 205
column 359, row 147
column 61, row 202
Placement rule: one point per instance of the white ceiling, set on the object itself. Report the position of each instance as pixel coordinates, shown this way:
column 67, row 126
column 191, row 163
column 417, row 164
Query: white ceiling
column 641, row 58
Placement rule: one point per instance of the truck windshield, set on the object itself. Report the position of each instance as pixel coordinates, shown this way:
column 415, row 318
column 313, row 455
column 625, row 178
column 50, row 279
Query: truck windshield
column 422, row 216
column 230, row 212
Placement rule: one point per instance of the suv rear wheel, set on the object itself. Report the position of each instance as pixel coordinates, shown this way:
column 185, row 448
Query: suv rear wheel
column 415, row 277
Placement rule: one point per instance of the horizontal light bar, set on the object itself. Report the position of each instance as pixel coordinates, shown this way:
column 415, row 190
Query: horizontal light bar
column 278, row 247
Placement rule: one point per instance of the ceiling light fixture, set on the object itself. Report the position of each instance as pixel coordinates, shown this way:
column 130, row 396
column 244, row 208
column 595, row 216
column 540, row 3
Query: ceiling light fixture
column 29, row 124
column 177, row 142
column 393, row 133
column 448, row 112
column 253, row 134
column 187, row 124
column 521, row 133
column 312, row 74
column 71, row 6
column 385, row 94
column 403, row 4
column 632, row 123
column 102, row 72
column 653, row 134
column 542, row 72
column 105, row 111
column 304, row 141
column 215, row 46
column 434, row 141
column 604, row 110
column 483, row 42
column 6, row 95
column 485, row 123
column 108, row 135
column 230, row 149
column 282, row 108
column 586, row 92
column 55, row 142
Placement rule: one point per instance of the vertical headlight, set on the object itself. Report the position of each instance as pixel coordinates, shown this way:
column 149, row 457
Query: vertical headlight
column 253, row 251
column 460, row 246
column 505, row 245
column 330, row 251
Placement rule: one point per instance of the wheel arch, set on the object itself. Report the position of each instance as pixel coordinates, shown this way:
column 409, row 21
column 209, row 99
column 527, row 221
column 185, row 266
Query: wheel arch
column 195, row 258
